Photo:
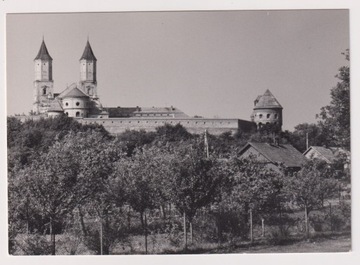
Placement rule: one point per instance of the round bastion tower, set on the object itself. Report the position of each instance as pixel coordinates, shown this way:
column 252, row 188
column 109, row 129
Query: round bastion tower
column 267, row 110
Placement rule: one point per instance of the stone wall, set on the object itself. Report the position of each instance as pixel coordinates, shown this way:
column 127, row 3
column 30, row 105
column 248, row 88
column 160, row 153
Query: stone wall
column 193, row 125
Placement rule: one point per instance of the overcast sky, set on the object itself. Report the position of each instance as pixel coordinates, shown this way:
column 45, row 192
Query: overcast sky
column 212, row 64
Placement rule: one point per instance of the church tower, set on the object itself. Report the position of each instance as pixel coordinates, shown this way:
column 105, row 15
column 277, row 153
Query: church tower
column 88, row 82
column 43, row 84
column 267, row 110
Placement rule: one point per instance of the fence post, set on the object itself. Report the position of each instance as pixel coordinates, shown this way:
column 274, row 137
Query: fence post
column 185, row 232
column 262, row 227
column 251, row 226
column 331, row 225
column 101, row 237
column 306, row 223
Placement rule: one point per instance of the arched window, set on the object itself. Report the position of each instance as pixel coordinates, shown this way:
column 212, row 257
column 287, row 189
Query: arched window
column 268, row 116
column 66, row 104
column 260, row 116
column 44, row 90
column 67, row 113
column 77, row 103
column 77, row 114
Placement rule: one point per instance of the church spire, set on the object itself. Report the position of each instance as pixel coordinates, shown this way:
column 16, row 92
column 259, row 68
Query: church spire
column 88, row 53
column 43, row 53
column 88, row 82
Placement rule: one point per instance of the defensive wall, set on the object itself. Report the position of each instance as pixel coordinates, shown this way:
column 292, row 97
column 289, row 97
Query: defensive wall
column 193, row 125
column 115, row 126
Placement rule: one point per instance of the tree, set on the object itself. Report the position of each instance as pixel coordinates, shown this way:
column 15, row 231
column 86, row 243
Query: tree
column 139, row 178
column 53, row 185
column 96, row 155
column 255, row 188
column 309, row 187
column 335, row 117
column 172, row 133
column 134, row 140
column 196, row 180
column 72, row 170
column 311, row 131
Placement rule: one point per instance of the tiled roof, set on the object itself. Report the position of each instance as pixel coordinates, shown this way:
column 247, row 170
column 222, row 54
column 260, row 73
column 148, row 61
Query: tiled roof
column 120, row 112
column 135, row 111
column 267, row 101
column 55, row 106
column 170, row 110
column 75, row 93
column 284, row 154
column 43, row 53
column 88, row 53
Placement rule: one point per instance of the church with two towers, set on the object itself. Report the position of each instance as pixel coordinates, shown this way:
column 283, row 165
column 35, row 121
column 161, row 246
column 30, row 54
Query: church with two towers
column 80, row 100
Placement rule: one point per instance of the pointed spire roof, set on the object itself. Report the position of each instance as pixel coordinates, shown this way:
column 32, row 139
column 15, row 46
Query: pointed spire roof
column 43, row 53
column 88, row 53
column 267, row 101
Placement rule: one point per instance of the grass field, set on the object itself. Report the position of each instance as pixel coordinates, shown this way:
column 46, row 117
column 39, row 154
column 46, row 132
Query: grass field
column 340, row 242
column 317, row 244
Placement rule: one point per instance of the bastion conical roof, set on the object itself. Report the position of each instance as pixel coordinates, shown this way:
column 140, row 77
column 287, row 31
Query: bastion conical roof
column 267, row 101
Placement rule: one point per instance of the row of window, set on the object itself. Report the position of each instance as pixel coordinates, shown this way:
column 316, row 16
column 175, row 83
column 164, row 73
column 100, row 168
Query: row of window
column 77, row 103
column 152, row 115
column 77, row 114
column 260, row 124
column 156, row 121
column 267, row 116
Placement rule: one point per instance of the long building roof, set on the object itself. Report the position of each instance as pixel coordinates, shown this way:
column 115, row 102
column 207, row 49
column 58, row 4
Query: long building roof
column 284, row 154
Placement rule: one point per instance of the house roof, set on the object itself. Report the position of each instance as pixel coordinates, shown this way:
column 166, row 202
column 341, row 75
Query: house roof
column 88, row 53
column 55, row 106
column 284, row 154
column 267, row 101
column 43, row 53
column 75, row 93
column 133, row 111
column 328, row 154
column 167, row 110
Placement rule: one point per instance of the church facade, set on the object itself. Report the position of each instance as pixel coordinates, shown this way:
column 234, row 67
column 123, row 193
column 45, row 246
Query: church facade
column 80, row 100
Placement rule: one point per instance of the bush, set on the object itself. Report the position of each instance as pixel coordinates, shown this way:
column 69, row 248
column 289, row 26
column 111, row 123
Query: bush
column 33, row 244
column 338, row 220
column 174, row 232
column 278, row 235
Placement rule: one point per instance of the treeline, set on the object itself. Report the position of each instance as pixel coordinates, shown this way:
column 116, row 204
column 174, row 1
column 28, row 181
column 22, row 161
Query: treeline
column 100, row 190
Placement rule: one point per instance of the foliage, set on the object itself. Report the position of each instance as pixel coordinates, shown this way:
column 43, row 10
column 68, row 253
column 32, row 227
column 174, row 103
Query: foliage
column 314, row 133
column 63, row 173
column 134, row 140
column 196, row 179
column 27, row 140
column 335, row 117
column 170, row 133
column 34, row 245
column 313, row 184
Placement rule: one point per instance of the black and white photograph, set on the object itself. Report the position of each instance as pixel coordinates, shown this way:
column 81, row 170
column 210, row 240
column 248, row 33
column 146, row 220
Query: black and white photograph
column 178, row 132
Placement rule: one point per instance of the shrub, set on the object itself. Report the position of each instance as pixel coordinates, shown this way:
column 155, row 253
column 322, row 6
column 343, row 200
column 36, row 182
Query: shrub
column 34, row 244
column 278, row 236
